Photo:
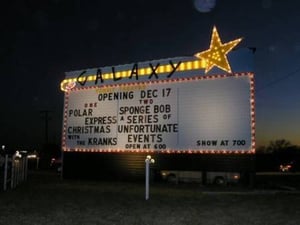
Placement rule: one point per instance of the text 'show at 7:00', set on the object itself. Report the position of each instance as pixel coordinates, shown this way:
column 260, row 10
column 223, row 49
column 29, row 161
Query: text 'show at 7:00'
column 221, row 142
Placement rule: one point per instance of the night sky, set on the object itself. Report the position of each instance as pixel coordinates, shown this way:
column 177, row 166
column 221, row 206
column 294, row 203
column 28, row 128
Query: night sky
column 40, row 40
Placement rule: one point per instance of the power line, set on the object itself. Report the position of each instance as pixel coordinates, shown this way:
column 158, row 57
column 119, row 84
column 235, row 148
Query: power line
column 279, row 79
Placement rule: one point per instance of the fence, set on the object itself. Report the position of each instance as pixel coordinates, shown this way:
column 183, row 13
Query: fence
column 14, row 170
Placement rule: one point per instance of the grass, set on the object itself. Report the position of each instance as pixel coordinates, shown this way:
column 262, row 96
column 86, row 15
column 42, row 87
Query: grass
column 46, row 200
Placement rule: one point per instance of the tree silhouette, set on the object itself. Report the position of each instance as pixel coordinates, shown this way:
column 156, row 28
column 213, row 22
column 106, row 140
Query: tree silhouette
column 278, row 152
column 279, row 146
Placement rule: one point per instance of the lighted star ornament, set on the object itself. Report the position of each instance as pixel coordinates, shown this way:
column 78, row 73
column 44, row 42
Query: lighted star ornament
column 216, row 55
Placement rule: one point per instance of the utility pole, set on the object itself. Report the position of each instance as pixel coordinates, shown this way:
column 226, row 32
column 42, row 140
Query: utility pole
column 46, row 117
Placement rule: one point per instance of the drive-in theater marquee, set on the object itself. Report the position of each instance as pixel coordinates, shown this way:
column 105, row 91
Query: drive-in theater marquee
column 197, row 104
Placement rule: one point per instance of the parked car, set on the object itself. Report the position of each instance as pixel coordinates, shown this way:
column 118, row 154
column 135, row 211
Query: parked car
column 218, row 178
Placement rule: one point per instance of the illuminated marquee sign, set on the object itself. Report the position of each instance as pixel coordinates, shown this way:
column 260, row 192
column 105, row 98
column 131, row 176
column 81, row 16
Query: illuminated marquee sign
column 167, row 106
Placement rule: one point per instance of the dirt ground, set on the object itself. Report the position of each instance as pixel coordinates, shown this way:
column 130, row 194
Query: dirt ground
column 45, row 199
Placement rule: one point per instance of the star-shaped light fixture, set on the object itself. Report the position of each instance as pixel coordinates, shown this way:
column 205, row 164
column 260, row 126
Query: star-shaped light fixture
column 216, row 55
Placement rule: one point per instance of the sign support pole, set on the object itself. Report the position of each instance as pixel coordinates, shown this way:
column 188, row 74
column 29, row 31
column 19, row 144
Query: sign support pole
column 148, row 160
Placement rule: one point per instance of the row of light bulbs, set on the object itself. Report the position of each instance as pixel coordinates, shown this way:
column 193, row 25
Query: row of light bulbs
column 162, row 69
